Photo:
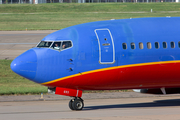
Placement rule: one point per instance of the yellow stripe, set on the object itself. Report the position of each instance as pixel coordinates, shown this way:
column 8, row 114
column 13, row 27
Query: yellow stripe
column 110, row 68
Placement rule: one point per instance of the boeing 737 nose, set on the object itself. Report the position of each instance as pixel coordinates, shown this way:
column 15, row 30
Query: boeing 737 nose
column 26, row 64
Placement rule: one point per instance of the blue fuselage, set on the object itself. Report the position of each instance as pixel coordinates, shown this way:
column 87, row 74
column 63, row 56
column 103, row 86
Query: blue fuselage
column 101, row 45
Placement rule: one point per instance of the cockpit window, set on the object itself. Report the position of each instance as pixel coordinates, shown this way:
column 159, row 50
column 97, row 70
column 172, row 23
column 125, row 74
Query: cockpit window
column 56, row 45
column 59, row 45
column 66, row 44
column 44, row 44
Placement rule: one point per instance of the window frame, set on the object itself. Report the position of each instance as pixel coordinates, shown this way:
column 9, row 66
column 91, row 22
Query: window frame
column 123, row 46
column 173, row 44
column 166, row 45
column 179, row 44
column 133, row 44
column 44, row 47
column 149, row 43
column 155, row 45
column 50, row 47
column 141, row 43
column 68, row 47
column 59, row 46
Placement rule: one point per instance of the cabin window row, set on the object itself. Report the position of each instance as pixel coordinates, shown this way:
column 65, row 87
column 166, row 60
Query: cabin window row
column 149, row 45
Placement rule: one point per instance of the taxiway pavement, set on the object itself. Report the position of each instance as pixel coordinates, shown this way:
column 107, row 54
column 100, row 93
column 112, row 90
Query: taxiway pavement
column 14, row 43
column 98, row 106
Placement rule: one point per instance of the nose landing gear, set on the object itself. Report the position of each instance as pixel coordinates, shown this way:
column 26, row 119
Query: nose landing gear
column 76, row 103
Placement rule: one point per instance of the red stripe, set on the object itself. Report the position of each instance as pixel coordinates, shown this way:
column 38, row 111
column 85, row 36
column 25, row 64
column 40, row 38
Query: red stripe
column 147, row 76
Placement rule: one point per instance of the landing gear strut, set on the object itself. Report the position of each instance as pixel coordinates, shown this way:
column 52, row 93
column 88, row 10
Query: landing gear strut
column 76, row 103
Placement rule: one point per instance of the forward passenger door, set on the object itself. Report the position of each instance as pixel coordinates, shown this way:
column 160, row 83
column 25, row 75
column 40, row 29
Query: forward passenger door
column 106, row 46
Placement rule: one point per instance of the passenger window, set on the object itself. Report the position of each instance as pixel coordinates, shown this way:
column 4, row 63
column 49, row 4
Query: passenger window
column 141, row 45
column 66, row 44
column 149, row 45
column 172, row 45
column 179, row 44
column 132, row 45
column 164, row 45
column 124, row 45
column 44, row 44
column 156, row 45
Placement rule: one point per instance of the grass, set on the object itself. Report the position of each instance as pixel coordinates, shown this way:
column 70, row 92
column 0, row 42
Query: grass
column 88, row 7
column 60, row 15
column 11, row 83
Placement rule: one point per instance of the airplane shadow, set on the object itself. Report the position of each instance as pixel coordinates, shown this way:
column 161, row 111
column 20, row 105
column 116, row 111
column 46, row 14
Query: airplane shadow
column 158, row 103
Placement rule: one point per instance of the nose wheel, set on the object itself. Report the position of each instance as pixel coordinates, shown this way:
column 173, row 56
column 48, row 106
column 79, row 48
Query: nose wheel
column 76, row 104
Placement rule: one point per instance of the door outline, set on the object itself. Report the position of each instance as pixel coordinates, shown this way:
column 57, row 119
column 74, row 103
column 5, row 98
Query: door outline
column 100, row 46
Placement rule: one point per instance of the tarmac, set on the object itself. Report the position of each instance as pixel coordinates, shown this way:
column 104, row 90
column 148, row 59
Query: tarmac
column 14, row 43
column 86, row 96
column 98, row 106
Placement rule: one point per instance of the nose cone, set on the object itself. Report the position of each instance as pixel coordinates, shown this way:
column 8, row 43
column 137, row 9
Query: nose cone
column 25, row 65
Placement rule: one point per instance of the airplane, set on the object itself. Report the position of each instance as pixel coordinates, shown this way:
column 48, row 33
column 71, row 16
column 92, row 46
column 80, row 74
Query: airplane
column 137, row 53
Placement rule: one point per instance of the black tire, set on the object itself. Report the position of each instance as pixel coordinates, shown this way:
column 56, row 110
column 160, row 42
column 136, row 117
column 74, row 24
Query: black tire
column 70, row 104
column 78, row 104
